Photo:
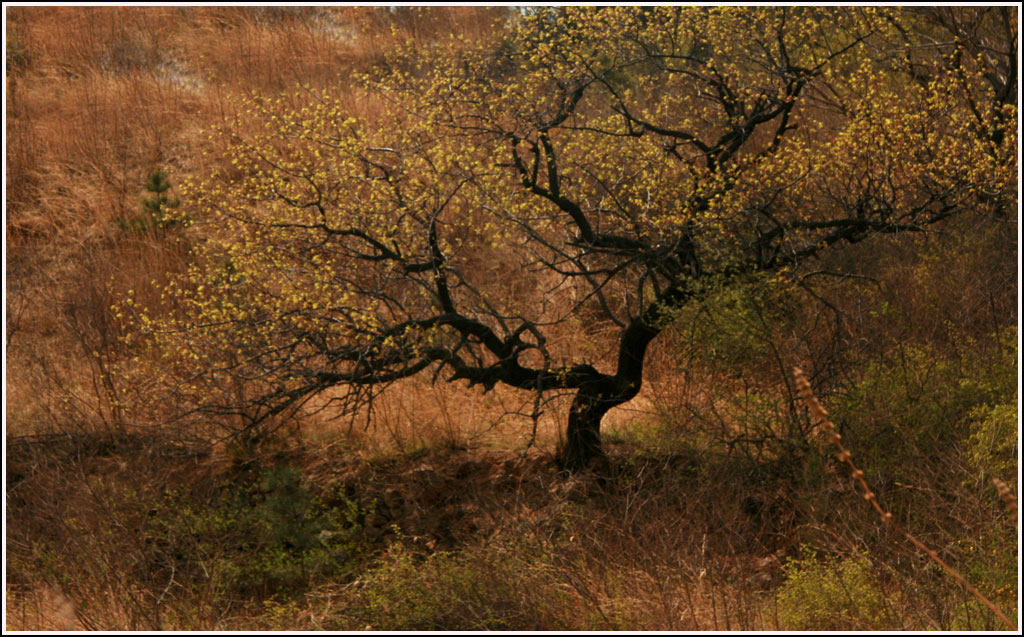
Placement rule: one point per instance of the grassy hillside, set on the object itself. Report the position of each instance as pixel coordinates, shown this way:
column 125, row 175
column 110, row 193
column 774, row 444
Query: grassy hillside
column 442, row 507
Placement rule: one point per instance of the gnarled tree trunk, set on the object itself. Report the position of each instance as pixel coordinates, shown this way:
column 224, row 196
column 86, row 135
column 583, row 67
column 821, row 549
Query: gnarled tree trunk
column 598, row 395
column 583, row 435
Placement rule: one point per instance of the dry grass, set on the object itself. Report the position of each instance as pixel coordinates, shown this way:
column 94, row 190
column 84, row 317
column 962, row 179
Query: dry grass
column 692, row 534
column 97, row 99
column 46, row 609
column 618, row 558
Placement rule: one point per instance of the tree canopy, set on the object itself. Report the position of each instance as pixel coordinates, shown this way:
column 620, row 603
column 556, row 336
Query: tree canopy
column 582, row 167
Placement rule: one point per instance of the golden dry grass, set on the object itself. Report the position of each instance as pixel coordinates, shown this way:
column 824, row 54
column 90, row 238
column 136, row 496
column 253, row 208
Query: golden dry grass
column 693, row 539
column 97, row 99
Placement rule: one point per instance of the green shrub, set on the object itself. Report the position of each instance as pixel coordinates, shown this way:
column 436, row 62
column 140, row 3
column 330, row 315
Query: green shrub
column 738, row 325
column 993, row 440
column 157, row 210
column 481, row 588
column 830, row 594
column 276, row 538
column 910, row 414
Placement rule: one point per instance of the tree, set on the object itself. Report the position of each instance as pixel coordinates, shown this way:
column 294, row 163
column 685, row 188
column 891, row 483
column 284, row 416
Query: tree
column 630, row 158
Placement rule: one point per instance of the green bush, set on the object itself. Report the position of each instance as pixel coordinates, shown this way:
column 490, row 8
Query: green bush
column 481, row 588
column 830, row 594
column 910, row 414
column 738, row 325
column 276, row 538
column 157, row 210
column 993, row 440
